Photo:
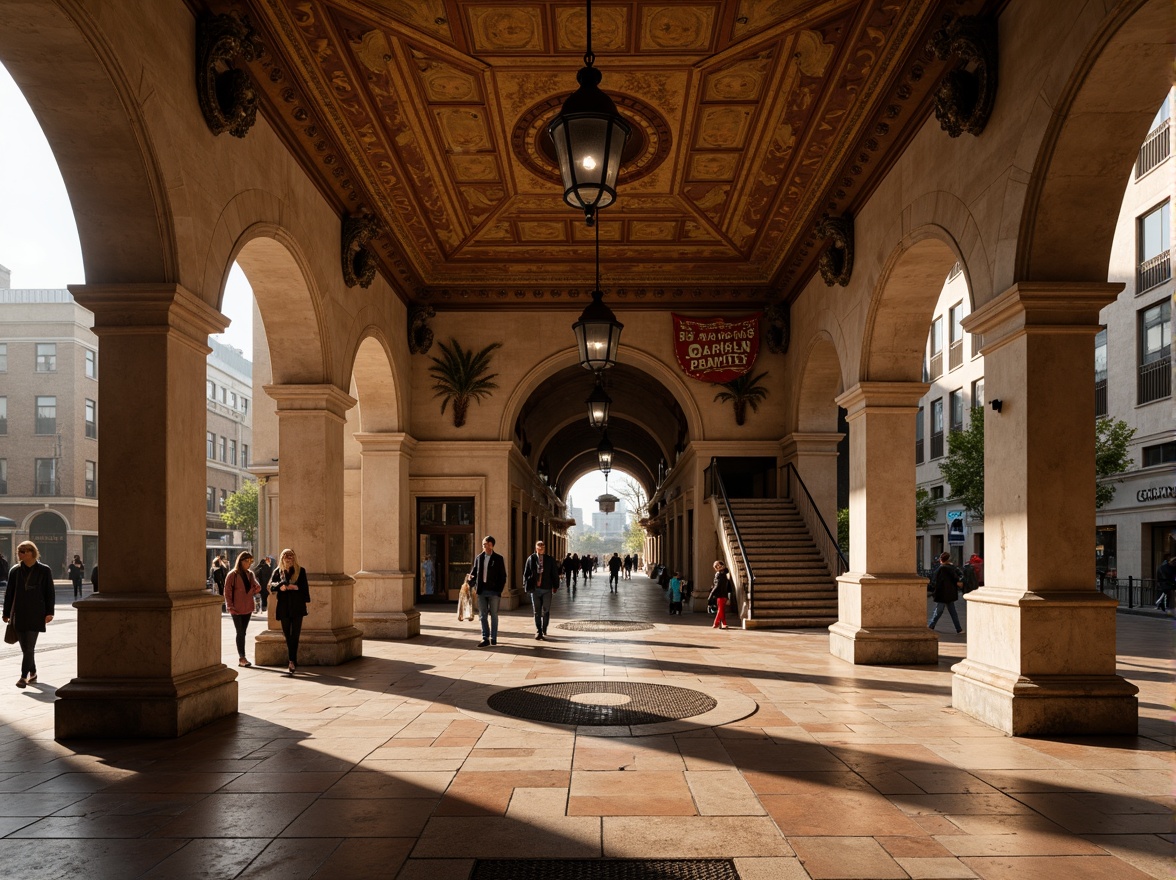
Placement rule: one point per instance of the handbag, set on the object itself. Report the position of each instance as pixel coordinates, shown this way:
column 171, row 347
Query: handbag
column 10, row 634
column 465, row 603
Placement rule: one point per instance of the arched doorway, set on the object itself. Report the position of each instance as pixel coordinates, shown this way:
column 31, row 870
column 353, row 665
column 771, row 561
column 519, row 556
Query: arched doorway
column 47, row 530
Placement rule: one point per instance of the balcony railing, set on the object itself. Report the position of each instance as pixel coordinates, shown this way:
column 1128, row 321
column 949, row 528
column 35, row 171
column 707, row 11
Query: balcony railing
column 937, row 445
column 955, row 354
column 1155, row 380
column 1100, row 398
column 1156, row 148
column 918, row 452
column 936, row 365
column 1155, row 271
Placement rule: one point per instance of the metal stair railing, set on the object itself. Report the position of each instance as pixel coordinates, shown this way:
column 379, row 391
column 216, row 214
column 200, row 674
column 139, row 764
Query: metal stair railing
column 718, row 490
column 818, row 528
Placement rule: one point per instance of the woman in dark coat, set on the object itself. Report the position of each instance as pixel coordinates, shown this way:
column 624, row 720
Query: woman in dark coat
column 28, row 604
column 720, row 594
column 293, row 595
column 945, row 590
column 77, row 573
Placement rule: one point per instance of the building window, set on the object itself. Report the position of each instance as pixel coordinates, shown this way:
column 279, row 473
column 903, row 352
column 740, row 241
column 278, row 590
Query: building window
column 935, row 342
column 91, row 479
column 45, row 477
column 3, row 357
column 46, row 421
column 1100, row 374
column 233, row 399
column 244, row 455
column 224, row 395
column 937, row 493
column 46, row 357
column 224, row 496
column 233, row 453
column 919, row 436
column 244, row 404
column 91, row 419
column 210, row 499
column 224, row 449
column 91, row 363
column 956, row 408
column 1157, row 146
column 978, row 393
column 937, row 428
column 3, row 476
column 210, row 441
column 211, row 389
column 1155, row 265
column 1155, row 352
column 1164, row 453
column 3, row 415
column 955, row 355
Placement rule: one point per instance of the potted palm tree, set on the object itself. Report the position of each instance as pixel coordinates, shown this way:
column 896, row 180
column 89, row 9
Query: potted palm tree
column 743, row 392
column 462, row 376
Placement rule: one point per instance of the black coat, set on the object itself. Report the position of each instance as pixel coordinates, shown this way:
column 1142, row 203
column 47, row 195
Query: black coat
column 721, row 588
column 946, row 586
column 28, row 598
column 77, row 573
column 550, row 579
column 264, row 572
column 495, row 577
column 291, row 603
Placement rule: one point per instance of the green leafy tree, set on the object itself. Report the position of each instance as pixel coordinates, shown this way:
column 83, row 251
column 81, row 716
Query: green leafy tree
column 925, row 509
column 1111, row 438
column 462, row 376
column 963, row 468
column 635, row 537
column 843, row 529
column 743, row 392
column 241, row 510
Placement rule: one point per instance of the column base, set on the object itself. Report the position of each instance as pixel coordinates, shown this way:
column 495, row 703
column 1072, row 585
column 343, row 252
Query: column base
column 512, row 599
column 121, row 708
column 881, row 622
column 316, row 647
column 388, row 624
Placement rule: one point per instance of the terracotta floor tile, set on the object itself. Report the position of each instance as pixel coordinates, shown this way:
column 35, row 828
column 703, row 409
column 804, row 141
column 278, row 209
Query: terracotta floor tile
column 365, row 858
column 662, row 837
column 1069, row 868
column 913, row 847
column 436, row 869
column 69, row 858
column 722, row 793
column 848, row 814
column 782, row 782
column 276, row 782
column 200, row 859
column 771, row 869
column 355, row 817
column 238, row 815
column 935, row 869
column 368, row 784
column 285, row 859
column 845, row 858
column 1151, row 853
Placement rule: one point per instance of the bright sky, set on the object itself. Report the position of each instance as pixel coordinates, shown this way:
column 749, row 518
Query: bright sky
column 586, row 489
column 38, row 236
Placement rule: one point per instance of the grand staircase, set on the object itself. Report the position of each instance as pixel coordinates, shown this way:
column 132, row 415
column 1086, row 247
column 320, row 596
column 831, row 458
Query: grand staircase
column 793, row 585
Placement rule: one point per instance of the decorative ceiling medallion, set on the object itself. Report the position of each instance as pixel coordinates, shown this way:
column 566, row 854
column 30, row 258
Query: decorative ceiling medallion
column 836, row 260
column 648, row 146
column 964, row 99
column 226, row 94
column 359, row 263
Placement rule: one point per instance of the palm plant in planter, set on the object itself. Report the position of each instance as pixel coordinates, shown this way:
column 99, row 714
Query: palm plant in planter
column 743, row 392
column 462, row 376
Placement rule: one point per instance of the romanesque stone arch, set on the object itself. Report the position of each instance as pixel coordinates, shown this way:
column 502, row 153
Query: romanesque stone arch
column 379, row 394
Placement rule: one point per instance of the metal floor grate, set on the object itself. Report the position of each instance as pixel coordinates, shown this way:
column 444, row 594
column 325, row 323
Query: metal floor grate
column 601, row 703
column 605, row 625
column 605, row 869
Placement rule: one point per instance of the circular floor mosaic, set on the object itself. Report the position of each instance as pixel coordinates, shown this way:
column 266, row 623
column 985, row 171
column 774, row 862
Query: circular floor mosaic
column 604, row 626
column 601, row 703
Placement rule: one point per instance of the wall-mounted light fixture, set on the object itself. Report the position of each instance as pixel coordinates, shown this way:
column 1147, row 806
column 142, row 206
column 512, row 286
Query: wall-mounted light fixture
column 996, row 405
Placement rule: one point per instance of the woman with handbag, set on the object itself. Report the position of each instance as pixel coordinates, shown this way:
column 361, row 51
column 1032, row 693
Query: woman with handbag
column 290, row 586
column 240, row 587
column 28, row 605
column 719, row 595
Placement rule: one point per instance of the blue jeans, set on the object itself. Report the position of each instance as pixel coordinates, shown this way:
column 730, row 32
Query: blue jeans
column 488, row 607
column 955, row 618
column 541, row 605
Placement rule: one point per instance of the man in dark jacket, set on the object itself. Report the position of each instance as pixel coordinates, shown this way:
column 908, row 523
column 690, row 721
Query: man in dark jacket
column 945, row 590
column 614, row 568
column 264, row 571
column 488, row 576
column 541, row 579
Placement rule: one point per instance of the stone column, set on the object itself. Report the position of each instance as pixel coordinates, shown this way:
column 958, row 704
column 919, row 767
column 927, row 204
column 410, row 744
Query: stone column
column 385, row 588
column 311, row 419
column 149, row 644
column 814, row 455
column 1041, row 638
column 882, row 604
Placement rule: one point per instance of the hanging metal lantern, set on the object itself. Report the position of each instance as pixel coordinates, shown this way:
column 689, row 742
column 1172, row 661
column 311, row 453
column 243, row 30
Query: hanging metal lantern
column 599, row 404
column 604, row 454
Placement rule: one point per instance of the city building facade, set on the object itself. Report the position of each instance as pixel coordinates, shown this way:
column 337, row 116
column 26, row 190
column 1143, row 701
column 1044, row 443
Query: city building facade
column 228, row 442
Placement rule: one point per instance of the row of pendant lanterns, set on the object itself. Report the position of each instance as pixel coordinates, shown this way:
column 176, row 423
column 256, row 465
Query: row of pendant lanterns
column 590, row 136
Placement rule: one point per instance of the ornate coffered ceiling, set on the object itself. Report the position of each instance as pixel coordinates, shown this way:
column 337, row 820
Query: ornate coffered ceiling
column 752, row 120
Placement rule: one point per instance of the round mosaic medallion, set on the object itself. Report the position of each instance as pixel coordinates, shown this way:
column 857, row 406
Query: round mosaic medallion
column 605, row 626
column 601, row 703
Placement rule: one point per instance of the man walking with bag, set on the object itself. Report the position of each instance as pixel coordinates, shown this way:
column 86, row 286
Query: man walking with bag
column 488, row 576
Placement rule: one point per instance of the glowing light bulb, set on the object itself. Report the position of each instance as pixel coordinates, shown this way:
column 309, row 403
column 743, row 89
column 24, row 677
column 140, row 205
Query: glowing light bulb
column 589, row 163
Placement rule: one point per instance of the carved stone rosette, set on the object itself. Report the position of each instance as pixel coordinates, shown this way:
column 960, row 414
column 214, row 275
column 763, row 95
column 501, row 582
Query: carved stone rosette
column 359, row 263
column 966, row 95
column 836, row 260
column 226, row 94
column 778, row 332
column 420, row 334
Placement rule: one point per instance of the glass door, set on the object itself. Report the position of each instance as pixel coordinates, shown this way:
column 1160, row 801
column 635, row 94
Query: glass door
column 445, row 547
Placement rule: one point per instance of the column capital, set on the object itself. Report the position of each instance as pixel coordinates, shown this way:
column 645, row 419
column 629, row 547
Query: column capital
column 810, row 443
column 129, row 309
column 888, row 395
column 310, row 399
column 386, row 441
column 1066, row 306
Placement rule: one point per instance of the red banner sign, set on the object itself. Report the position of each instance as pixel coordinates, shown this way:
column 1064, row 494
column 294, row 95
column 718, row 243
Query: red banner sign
column 716, row 349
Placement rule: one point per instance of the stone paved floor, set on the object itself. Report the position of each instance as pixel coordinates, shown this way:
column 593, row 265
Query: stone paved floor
column 372, row 770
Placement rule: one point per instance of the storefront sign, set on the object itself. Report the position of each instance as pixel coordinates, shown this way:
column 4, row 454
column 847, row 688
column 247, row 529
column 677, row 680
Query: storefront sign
column 955, row 528
column 1156, row 493
column 716, row 349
